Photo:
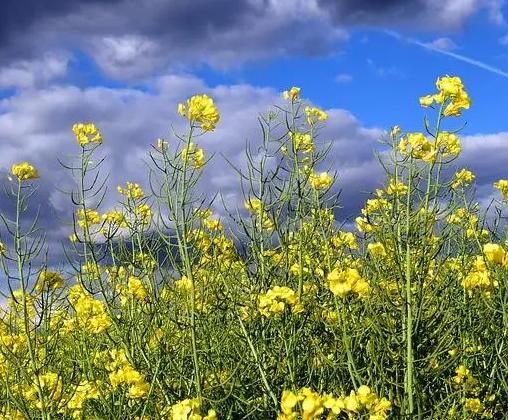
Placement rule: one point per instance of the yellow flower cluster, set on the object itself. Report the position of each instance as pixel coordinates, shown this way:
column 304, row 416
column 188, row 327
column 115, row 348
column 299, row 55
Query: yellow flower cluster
column 213, row 224
column 307, row 405
column 201, row 110
column 344, row 239
column 88, row 217
column 274, row 301
column 451, row 93
column 115, row 218
column 49, row 280
column 190, row 409
column 86, row 390
column 377, row 249
column 146, row 261
column 345, row 281
column 256, row 207
column 2, row 248
column 320, row 181
column 479, row 277
column 196, row 153
column 292, row 94
column 132, row 190
column 90, row 313
column 462, row 178
column 136, row 288
column 363, row 224
column 144, row 213
column 51, row 385
column 448, row 144
column 24, row 171
column 502, row 186
column 396, row 188
column 420, row 147
column 469, row 222
column 315, row 114
column 302, row 142
column 121, row 372
column 87, row 133
column 91, row 270
column 474, row 405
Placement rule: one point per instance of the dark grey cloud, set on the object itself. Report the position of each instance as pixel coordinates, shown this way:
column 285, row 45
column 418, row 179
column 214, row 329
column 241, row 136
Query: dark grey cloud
column 441, row 15
column 131, row 39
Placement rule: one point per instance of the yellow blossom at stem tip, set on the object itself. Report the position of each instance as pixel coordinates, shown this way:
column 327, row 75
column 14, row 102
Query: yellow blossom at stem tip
column 24, row 171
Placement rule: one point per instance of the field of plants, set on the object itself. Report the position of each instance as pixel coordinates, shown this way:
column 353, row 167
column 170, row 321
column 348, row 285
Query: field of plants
column 163, row 310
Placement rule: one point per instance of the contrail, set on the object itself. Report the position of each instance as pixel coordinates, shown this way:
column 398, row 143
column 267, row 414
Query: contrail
column 460, row 57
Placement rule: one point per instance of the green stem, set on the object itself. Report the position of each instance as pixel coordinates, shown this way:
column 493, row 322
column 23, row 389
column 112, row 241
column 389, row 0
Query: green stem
column 409, row 386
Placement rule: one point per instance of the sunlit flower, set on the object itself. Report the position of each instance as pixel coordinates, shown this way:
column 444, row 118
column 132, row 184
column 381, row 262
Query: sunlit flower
column 87, row 133
column 24, row 171
column 292, row 94
column 200, row 110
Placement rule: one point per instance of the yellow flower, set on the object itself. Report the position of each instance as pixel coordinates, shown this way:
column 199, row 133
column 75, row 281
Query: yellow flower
column 473, row 404
column 288, row 402
column 302, row 142
column 132, row 190
column 395, row 131
column 452, row 92
column 321, row 181
column 144, row 212
column 315, row 114
column 200, row 109
column 377, row 249
column 448, row 143
column 24, row 171
column 91, row 313
column 363, row 224
column 138, row 389
column 88, row 217
column 115, row 217
column 419, row 147
column 49, row 279
column 502, row 186
column 462, row 179
column 197, row 154
column 136, row 288
column 292, row 94
column 253, row 204
column 274, row 301
column 344, row 239
column 494, row 253
column 343, row 282
column 396, row 188
column 87, row 133
column 2, row 249
column 213, row 224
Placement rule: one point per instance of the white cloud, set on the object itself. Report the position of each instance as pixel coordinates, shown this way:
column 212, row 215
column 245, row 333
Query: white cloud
column 29, row 73
column 343, row 78
column 36, row 126
column 442, row 44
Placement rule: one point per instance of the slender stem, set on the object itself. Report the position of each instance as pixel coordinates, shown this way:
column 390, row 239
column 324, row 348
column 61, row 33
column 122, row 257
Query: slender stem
column 409, row 386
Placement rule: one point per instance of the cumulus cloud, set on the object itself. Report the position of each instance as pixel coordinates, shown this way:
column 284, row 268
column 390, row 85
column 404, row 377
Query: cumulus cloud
column 36, row 126
column 30, row 73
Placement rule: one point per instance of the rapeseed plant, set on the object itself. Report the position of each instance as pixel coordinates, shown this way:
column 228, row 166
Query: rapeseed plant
column 166, row 310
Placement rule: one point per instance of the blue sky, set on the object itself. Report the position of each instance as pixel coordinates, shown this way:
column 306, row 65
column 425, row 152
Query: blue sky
column 125, row 65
